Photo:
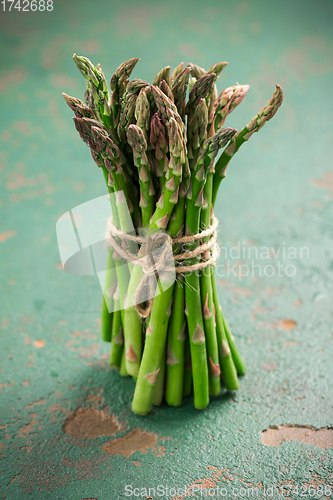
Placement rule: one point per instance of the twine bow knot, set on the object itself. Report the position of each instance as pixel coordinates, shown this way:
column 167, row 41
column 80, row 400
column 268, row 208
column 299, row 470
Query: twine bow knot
column 156, row 257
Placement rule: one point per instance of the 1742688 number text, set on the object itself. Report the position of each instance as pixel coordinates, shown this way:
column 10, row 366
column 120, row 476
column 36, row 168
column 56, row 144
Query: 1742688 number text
column 27, row 5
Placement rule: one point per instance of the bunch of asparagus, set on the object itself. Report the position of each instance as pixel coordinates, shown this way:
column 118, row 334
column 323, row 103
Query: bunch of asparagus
column 156, row 146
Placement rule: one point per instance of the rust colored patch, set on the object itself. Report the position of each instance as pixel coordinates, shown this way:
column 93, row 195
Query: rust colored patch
column 62, row 81
column 6, row 134
column 26, row 448
column 287, row 324
column 46, row 475
column 77, row 333
column 225, row 476
column 35, row 403
column 258, row 309
column 14, row 76
column 57, row 408
column 7, row 234
column 69, row 343
column 13, row 479
column 8, row 386
column 24, row 127
column 91, row 47
column 28, row 187
column 188, row 49
column 135, row 440
column 95, row 398
column 273, row 291
column 79, row 186
column 275, row 435
column 89, row 351
column 297, row 303
column 90, row 423
column 325, row 182
column 269, row 365
column 39, row 343
column 26, row 429
column 4, row 323
column 137, row 462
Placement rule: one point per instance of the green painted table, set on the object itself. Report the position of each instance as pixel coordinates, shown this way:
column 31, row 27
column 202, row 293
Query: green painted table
column 278, row 194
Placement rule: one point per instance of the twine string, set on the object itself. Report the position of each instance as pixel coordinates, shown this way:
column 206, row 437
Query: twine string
column 153, row 264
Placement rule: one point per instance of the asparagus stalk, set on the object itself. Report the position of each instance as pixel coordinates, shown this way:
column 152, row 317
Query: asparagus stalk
column 79, row 108
column 197, row 73
column 219, row 358
column 176, row 71
column 238, row 361
column 116, row 178
column 227, row 101
column 106, row 316
column 179, row 89
column 110, row 284
column 127, row 115
column 228, row 369
column 97, row 94
column 160, row 148
column 198, row 116
column 83, row 111
column 97, row 97
column 175, row 347
column 138, row 143
column 168, row 109
column 117, row 345
column 264, row 115
column 159, row 220
column 160, row 383
column 164, row 87
column 164, row 74
column 187, row 383
column 194, row 203
column 123, row 372
column 158, row 324
column 80, row 111
column 218, row 141
column 177, row 324
column 118, row 84
column 226, row 339
column 200, row 90
column 197, row 132
column 128, row 107
column 212, row 96
column 142, row 112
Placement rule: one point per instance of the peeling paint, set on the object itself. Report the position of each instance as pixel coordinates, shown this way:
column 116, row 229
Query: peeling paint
column 39, row 343
column 274, row 436
column 90, row 423
column 26, row 429
column 287, row 324
column 35, row 403
column 135, row 440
